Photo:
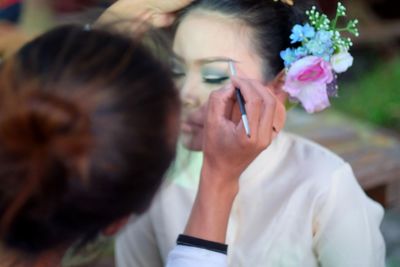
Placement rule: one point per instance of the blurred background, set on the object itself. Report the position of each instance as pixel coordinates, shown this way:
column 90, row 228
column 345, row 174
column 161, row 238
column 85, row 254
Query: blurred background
column 363, row 126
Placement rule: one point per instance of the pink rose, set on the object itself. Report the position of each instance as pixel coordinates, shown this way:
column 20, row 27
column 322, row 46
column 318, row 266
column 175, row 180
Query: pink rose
column 307, row 81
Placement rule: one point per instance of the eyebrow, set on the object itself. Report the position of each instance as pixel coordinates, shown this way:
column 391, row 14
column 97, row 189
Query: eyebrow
column 215, row 59
column 208, row 60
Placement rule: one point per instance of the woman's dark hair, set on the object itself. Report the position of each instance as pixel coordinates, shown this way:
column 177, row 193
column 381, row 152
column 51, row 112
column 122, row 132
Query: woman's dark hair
column 86, row 135
column 270, row 21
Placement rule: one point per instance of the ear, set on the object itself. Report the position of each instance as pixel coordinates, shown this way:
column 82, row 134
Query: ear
column 114, row 228
column 277, row 86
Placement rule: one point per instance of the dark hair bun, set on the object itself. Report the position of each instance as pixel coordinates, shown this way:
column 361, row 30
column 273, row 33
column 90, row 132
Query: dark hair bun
column 34, row 123
column 85, row 134
column 39, row 132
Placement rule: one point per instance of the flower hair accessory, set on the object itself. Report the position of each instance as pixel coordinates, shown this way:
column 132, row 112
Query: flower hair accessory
column 321, row 54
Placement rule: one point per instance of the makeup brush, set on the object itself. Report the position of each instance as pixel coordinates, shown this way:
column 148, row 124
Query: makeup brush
column 240, row 100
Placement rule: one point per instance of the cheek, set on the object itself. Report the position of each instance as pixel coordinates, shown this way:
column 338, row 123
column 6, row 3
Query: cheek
column 205, row 91
column 192, row 87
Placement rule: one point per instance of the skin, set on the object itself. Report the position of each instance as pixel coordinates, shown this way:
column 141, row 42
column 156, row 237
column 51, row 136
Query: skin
column 12, row 38
column 204, row 41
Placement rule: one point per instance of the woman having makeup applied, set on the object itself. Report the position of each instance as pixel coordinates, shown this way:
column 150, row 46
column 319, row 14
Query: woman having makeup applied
column 299, row 204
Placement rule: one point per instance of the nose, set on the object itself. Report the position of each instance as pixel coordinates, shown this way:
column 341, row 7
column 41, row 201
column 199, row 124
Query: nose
column 189, row 95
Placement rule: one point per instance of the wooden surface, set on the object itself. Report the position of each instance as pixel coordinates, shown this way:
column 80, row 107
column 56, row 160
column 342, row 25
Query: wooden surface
column 373, row 153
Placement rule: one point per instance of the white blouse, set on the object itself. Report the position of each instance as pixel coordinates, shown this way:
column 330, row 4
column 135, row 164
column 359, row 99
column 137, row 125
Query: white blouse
column 298, row 205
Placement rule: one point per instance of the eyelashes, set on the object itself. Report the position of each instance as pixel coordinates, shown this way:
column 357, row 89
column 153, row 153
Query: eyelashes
column 213, row 80
column 218, row 80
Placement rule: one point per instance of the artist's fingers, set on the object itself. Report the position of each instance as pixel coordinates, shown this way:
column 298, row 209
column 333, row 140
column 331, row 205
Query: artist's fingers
column 254, row 103
column 274, row 90
column 257, row 85
column 220, row 104
column 169, row 6
column 236, row 115
column 183, row 3
column 162, row 20
column 219, row 121
column 178, row 4
column 268, row 115
column 232, row 110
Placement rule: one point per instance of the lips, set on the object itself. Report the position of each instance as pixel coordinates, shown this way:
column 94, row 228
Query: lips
column 193, row 122
column 190, row 126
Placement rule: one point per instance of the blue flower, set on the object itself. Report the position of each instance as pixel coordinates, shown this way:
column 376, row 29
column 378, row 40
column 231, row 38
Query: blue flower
column 308, row 31
column 288, row 56
column 315, row 48
column 300, row 33
column 324, row 36
column 321, row 45
column 301, row 52
column 297, row 34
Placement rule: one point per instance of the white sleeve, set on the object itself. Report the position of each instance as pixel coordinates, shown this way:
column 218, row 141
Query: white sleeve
column 348, row 225
column 185, row 256
column 136, row 245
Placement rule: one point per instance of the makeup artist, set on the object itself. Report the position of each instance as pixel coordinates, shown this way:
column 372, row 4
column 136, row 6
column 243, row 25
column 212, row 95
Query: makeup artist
column 87, row 135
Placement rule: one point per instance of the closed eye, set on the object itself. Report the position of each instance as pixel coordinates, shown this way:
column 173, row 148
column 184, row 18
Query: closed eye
column 215, row 80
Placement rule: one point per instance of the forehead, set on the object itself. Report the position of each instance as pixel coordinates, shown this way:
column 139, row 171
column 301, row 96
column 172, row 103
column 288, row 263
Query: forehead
column 205, row 34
